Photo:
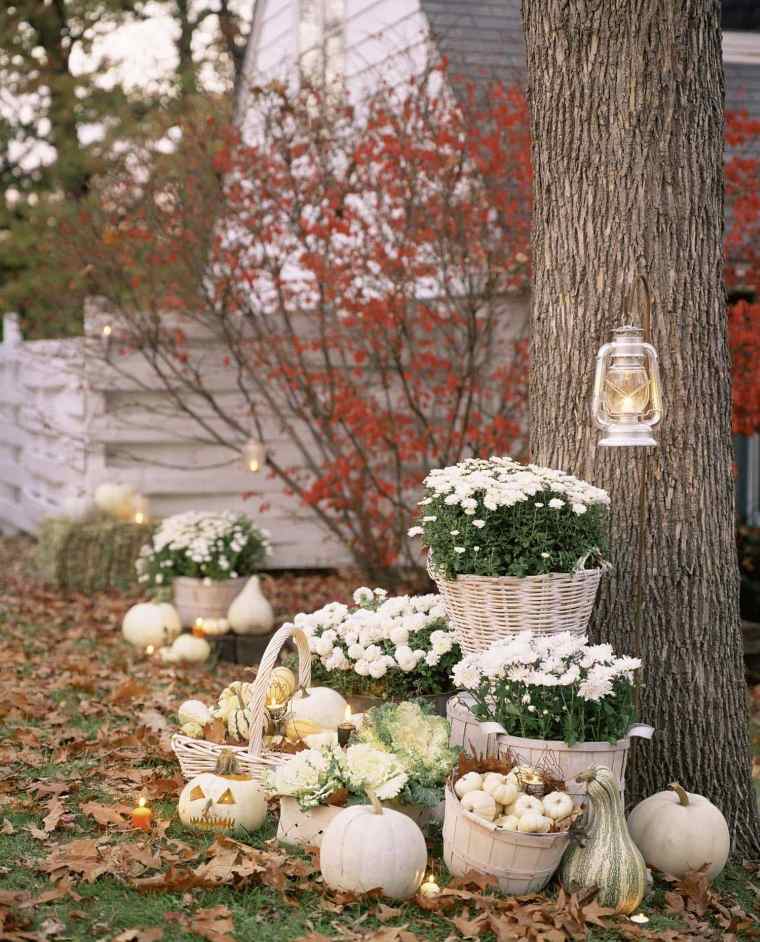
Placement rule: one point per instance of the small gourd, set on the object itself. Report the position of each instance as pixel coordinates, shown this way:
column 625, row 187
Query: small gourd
column 233, row 697
column 525, row 803
column 319, row 710
column 508, row 822
column 480, row 803
column 608, row 860
column 151, row 623
column 194, row 711
column 557, row 805
column 223, row 800
column 677, row 831
column 282, row 685
column 506, row 793
column 533, row 823
column 469, row 782
column 250, row 613
column 192, row 729
column 367, row 847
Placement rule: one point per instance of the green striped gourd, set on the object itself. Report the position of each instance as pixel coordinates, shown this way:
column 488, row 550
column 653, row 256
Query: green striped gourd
column 609, row 859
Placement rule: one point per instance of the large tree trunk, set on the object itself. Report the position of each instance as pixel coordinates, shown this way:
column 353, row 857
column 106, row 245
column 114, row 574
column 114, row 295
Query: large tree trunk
column 626, row 103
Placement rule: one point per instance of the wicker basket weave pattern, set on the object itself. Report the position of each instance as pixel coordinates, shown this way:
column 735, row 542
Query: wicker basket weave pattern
column 198, row 755
column 484, row 609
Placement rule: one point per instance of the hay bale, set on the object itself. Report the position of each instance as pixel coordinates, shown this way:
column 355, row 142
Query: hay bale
column 90, row 555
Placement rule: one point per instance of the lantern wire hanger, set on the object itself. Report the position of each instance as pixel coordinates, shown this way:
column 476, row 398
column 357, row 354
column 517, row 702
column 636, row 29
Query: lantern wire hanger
column 627, row 399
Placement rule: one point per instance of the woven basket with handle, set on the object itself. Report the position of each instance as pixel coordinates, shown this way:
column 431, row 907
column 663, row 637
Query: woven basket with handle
column 199, row 755
column 484, row 609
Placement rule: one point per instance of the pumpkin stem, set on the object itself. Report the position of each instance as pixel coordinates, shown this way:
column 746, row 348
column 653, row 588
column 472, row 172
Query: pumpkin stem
column 683, row 798
column 227, row 763
column 377, row 808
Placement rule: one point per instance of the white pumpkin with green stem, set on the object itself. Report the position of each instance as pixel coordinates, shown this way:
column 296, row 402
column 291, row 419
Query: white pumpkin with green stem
column 608, row 858
column 151, row 623
column 469, row 782
column 368, row 847
column 677, row 831
column 223, row 800
column 557, row 805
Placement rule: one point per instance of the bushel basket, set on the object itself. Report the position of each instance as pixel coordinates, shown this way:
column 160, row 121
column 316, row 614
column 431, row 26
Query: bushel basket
column 200, row 755
column 484, row 609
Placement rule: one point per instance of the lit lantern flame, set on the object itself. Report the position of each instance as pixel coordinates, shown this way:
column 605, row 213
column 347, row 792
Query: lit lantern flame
column 107, row 330
column 254, row 455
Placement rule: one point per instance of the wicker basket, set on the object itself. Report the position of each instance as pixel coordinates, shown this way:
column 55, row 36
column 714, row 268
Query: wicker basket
column 198, row 755
column 521, row 863
column 483, row 609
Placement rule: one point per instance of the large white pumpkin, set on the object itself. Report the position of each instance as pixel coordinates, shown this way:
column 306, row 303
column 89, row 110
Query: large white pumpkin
column 153, row 623
column 115, row 499
column 187, row 649
column 677, row 831
column 367, row 847
column 320, row 710
column 224, row 800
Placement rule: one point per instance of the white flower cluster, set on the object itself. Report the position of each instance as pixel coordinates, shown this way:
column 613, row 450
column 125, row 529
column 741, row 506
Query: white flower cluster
column 560, row 660
column 502, row 482
column 367, row 767
column 378, row 636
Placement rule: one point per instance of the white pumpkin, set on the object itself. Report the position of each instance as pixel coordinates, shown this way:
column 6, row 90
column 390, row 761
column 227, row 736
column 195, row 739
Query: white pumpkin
column 506, row 793
column 224, row 800
column 115, row 499
column 149, row 623
column 507, row 821
column 194, row 711
column 557, row 805
column 492, row 780
column 187, row 649
column 677, row 831
column 320, row 710
column 250, row 613
column 480, row 803
column 469, row 782
column 524, row 804
column 533, row 823
column 366, row 847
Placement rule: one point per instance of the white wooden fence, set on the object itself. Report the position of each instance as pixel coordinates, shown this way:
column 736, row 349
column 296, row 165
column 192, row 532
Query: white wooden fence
column 67, row 425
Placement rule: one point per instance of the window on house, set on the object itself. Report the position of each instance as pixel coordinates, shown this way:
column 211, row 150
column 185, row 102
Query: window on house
column 321, row 44
column 740, row 15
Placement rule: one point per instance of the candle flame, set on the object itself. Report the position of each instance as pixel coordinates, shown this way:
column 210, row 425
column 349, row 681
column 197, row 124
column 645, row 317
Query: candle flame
column 142, row 802
column 139, row 517
column 150, row 649
column 107, row 330
column 253, row 465
column 348, row 713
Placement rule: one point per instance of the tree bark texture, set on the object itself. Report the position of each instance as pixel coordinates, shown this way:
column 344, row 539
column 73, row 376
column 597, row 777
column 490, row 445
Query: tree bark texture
column 626, row 100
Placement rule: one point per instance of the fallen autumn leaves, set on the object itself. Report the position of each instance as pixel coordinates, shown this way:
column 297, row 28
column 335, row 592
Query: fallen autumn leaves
column 85, row 731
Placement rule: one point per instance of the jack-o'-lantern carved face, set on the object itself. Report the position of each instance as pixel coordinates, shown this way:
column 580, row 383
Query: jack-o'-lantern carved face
column 222, row 802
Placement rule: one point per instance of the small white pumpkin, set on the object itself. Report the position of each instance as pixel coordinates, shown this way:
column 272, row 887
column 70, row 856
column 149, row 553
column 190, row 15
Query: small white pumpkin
column 187, row 649
column 492, row 780
column 677, row 831
column 194, row 711
column 115, row 499
column 469, row 782
column 321, row 710
column 526, row 803
column 149, row 623
column 506, row 793
column 533, row 823
column 480, row 803
column 557, row 805
column 192, row 729
column 250, row 613
column 366, row 847
column 508, row 822
column 223, row 800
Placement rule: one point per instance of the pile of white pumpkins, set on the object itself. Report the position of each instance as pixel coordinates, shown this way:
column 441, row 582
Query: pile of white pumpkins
column 120, row 501
column 502, row 798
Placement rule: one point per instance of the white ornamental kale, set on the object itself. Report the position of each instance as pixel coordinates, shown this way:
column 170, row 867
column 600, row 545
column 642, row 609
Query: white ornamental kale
column 569, row 689
column 496, row 517
column 368, row 768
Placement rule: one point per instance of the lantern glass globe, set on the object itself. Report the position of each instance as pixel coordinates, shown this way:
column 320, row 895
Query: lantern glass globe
column 254, row 455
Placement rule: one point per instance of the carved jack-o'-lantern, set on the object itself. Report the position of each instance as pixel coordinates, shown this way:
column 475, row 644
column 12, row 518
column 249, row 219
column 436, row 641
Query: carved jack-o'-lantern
column 223, row 800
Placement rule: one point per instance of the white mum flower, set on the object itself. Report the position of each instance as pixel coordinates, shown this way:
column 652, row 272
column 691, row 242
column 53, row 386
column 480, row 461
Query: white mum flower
column 415, row 531
column 579, row 509
column 398, row 635
column 459, row 549
column 479, row 524
column 363, row 595
column 556, row 504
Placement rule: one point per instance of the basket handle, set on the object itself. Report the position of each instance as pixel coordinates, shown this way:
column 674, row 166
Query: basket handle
column 264, row 676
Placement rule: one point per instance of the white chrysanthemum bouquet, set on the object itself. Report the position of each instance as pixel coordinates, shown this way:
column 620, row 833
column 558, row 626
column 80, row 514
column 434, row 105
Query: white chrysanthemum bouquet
column 496, row 517
column 317, row 776
column 552, row 687
column 394, row 648
column 210, row 546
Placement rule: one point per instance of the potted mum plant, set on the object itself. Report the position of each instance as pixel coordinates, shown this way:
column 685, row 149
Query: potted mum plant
column 512, row 546
column 554, row 702
column 206, row 558
column 396, row 648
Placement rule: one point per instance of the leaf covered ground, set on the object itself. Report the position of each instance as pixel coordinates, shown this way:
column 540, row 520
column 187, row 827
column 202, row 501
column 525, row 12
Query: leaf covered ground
column 85, row 724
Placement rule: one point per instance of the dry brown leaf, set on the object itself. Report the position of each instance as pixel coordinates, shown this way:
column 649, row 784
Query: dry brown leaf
column 139, row 935
column 215, row 924
column 106, row 814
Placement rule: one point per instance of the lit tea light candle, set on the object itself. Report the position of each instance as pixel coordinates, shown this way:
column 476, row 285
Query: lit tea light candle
column 142, row 815
column 345, row 729
column 199, row 628
column 107, row 330
column 430, row 888
column 150, row 650
column 640, row 918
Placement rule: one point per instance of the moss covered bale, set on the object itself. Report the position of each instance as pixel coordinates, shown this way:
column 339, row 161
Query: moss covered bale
column 90, row 555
